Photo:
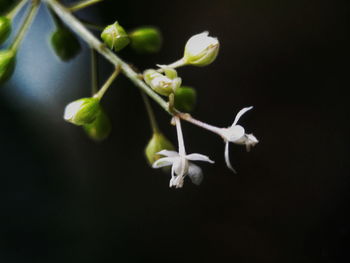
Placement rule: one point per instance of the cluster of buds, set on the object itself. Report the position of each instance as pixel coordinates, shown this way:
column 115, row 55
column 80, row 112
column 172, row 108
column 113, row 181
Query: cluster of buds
column 162, row 83
column 142, row 40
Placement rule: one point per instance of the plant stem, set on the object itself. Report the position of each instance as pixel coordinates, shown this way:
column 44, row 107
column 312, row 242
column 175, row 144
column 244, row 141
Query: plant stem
column 150, row 113
column 26, row 24
column 101, row 48
column 83, row 4
column 107, row 84
column 94, row 72
column 10, row 15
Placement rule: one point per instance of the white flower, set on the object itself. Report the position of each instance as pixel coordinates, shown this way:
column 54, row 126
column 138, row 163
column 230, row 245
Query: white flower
column 201, row 49
column 236, row 134
column 180, row 162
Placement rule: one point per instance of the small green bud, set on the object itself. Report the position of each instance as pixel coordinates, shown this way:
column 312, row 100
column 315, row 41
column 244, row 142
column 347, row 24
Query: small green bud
column 146, row 40
column 7, row 64
column 162, row 84
column 201, row 50
column 82, row 111
column 5, row 28
column 157, row 143
column 115, row 37
column 185, row 98
column 100, row 128
column 65, row 43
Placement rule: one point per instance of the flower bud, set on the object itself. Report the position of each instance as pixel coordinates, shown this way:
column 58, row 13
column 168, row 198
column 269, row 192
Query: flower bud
column 164, row 85
column 157, row 143
column 5, row 28
column 185, row 99
column 100, row 128
column 65, row 43
column 115, row 37
column 201, row 50
column 146, row 40
column 7, row 64
column 82, row 111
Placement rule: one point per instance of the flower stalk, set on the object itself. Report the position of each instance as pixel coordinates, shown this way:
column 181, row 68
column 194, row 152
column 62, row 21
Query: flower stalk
column 107, row 84
column 26, row 24
column 83, row 4
column 11, row 14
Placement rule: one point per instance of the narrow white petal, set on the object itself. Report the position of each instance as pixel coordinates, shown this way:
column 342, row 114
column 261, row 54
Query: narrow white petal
column 180, row 138
column 166, row 161
column 195, row 173
column 168, row 153
column 198, row 157
column 227, row 158
column 240, row 113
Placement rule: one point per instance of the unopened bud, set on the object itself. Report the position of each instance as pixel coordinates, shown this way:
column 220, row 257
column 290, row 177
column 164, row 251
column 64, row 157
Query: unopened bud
column 157, row 143
column 5, row 28
column 100, row 128
column 185, row 99
column 146, row 40
column 7, row 64
column 82, row 111
column 162, row 84
column 115, row 37
column 201, row 50
column 65, row 43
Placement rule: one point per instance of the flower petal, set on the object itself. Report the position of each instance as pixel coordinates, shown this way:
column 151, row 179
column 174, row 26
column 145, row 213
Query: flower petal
column 168, row 153
column 195, row 174
column 235, row 133
column 227, row 158
column 240, row 113
column 198, row 157
column 166, row 161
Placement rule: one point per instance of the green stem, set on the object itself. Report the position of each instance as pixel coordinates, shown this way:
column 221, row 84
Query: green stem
column 10, row 15
column 107, row 84
column 83, row 4
column 101, row 48
column 150, row 113
column 134, row 77
column 25, row 25
column 94, row 71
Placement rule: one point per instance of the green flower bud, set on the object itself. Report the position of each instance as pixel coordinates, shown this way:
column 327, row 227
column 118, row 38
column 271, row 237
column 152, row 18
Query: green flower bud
column 65, row 43
column 201, row 50
column 164, row 85
column 82, row 111
column 157, row 143
column 7, row 64
column 5, row 28
column 185, row 99
column 115, row 37
column 100, row 128
column 146, row 40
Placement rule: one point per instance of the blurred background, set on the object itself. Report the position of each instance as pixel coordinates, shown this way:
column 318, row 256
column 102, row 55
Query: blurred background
column 64, row 198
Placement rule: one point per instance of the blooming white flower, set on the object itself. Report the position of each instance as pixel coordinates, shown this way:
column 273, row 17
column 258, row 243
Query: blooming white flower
column 236, row 134
column 201, row 49
column 180, row 162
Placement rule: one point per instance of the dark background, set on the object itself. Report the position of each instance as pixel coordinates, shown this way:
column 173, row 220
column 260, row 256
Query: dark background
column 64, row 198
